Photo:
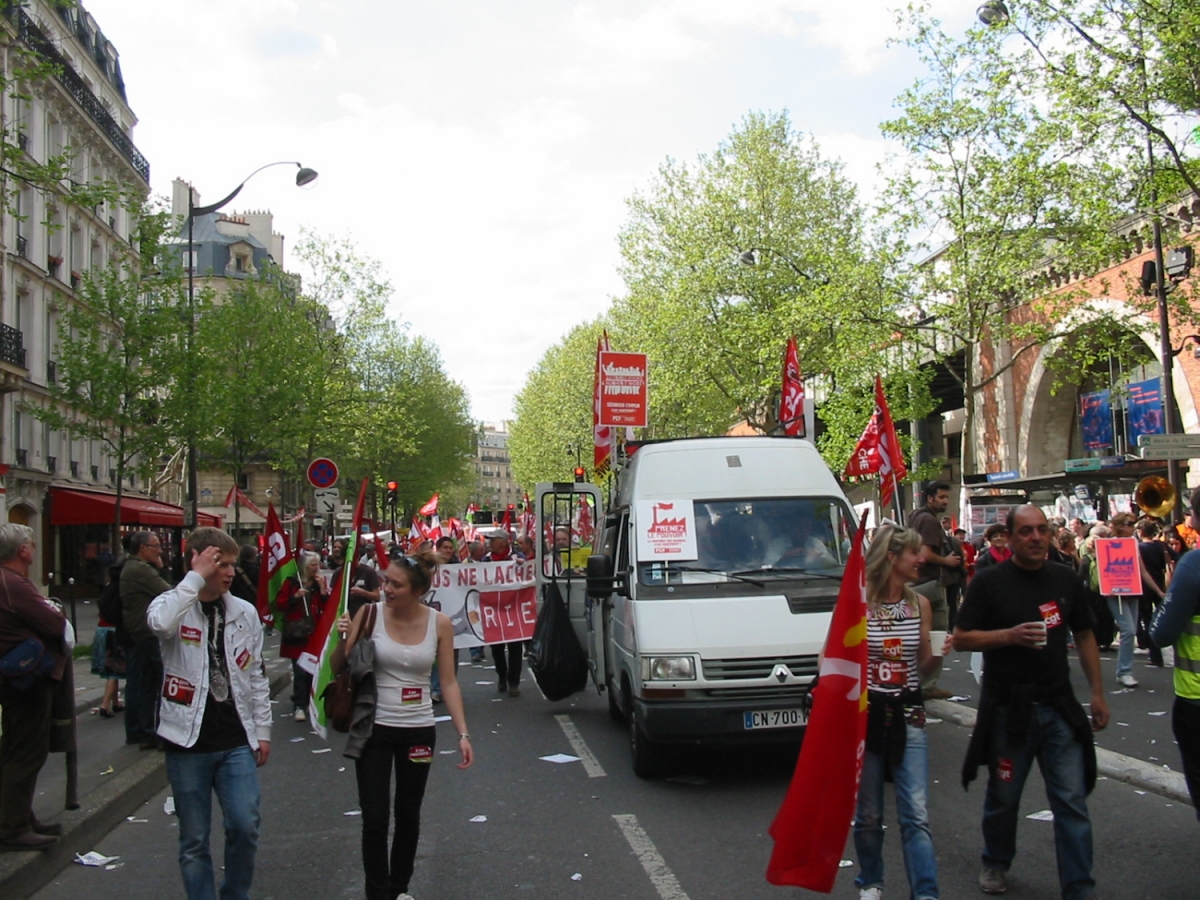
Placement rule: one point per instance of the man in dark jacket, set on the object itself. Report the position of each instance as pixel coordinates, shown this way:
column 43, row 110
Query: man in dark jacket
column 141, row 582
column 26, row 714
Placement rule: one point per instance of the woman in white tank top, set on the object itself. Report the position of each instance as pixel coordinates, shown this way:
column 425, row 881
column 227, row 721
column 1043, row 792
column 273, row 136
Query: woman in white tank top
column 408, row 637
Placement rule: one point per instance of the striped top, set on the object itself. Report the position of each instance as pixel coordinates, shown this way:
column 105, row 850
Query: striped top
column 893, row 637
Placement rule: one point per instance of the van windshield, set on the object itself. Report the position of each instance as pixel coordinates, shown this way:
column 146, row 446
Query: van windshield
column 760, row 539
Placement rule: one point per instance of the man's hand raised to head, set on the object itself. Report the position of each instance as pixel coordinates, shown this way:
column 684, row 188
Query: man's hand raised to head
column 206, row 562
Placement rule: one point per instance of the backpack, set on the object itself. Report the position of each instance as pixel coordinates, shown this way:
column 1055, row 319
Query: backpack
column 109, row 603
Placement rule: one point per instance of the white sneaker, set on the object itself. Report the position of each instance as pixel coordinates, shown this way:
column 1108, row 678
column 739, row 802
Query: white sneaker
column 1127, row 681
column 1141, row 651
column 300, row 716
column 405, row 897
column 870, row 893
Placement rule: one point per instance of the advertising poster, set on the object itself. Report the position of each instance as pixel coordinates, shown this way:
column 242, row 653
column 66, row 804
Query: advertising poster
column 1145, row 409
column 1095, row 420
column 487, row 603
column 1120, row 571
column 666, row 529
column 623, row 392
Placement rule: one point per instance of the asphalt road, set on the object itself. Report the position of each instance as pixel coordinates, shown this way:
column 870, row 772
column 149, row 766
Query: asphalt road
column 699, row 834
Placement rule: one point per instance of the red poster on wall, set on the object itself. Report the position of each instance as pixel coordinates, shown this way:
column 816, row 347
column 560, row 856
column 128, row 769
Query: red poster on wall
column 623, row 392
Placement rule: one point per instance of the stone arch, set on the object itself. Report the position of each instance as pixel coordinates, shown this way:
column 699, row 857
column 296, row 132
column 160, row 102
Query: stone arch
column 21, row 514
column 1039, row 410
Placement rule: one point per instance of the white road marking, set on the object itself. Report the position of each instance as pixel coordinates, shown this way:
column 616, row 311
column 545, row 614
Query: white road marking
column 656, row 867
column 591, row 765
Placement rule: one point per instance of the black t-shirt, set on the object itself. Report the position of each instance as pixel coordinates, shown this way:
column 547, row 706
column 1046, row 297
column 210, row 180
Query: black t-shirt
column 1154, row 560
column 926, row 524
column 366, row 578
column 1005, row 595
column 221, row 726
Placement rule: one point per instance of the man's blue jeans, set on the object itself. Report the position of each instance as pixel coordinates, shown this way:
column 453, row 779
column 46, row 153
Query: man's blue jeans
column 1059, row 755
column 1124, row 612
column 194, row 777
column 911, row 778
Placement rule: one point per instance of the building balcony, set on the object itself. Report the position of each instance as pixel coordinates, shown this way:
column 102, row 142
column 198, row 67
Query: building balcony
column 22, row 246
column 12, row 359
column 29, row 32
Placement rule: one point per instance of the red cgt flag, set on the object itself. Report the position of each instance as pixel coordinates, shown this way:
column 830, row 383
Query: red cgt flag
column 878, row 450
column 791, row 405
column 811, row 827
column 431, row 506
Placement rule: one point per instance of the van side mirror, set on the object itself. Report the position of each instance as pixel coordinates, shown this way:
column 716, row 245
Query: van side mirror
column 600, row 579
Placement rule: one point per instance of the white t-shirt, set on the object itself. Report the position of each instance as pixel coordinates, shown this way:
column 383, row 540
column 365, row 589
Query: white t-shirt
column 402, row 676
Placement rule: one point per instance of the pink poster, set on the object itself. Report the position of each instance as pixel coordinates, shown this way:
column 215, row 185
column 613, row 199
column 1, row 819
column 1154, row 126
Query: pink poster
column 1119, row 567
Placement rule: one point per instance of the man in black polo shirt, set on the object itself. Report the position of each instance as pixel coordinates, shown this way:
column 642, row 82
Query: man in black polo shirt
column 1017, row 613
column 939, row 565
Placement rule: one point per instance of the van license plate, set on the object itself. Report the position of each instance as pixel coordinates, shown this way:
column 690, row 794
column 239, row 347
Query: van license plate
column 774, row 718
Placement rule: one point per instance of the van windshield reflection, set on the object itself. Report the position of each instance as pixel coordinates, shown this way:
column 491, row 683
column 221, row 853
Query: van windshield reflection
column 757, row 540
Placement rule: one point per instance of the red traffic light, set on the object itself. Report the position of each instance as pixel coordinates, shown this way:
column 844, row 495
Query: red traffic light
column 393, row 485
column 580, row 474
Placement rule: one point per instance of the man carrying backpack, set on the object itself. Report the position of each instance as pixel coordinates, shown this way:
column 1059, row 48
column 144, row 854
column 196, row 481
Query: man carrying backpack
column 141, row 582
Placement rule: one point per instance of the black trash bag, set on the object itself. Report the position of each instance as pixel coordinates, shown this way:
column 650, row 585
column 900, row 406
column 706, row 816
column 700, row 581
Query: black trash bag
column 558, row 663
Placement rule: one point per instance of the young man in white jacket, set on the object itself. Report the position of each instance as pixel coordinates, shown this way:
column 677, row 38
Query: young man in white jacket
column 214, row 713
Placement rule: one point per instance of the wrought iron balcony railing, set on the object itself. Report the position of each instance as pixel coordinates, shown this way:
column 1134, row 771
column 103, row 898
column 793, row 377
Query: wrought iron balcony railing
column 12, row 346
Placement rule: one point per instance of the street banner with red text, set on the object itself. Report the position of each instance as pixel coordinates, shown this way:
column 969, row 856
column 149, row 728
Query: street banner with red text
column 795, row 412
column 811, row 826
column 623, row 390
column 487, row 602
column 603, row 436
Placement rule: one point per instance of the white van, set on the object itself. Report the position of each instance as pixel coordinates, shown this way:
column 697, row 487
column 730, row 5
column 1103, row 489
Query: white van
column 709, row 589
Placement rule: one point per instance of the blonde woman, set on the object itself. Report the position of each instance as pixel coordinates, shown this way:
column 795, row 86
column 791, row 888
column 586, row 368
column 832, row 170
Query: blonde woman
column 899, row 653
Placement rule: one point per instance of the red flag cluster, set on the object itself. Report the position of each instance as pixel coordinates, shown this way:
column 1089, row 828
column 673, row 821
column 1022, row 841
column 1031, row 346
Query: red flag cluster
column 878, row 451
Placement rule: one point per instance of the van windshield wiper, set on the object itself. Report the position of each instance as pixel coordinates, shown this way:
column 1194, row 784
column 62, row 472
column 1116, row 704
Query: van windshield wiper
column 785, row 570
column 740, row 576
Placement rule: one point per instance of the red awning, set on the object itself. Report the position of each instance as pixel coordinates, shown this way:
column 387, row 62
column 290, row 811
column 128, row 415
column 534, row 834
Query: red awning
column 71, row 507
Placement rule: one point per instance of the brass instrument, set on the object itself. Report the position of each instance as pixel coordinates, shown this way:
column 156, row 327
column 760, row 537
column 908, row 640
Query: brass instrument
column 1155, row 496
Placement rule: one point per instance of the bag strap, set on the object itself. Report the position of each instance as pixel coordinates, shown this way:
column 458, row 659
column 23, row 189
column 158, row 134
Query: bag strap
column 369, row 624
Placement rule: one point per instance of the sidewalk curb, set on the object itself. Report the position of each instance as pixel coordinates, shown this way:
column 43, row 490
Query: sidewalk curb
column 100, row 811
column 1117, row 766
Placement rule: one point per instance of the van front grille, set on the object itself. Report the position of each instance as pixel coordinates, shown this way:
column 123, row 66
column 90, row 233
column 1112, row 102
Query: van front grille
column 757, row 667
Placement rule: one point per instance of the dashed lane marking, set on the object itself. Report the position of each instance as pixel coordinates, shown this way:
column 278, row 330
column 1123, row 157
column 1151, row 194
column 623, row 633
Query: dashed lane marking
column 656, row 867
column 591, row 765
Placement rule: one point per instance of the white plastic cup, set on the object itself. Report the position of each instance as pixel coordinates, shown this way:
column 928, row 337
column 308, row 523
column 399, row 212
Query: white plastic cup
column 937, row 640
column 1041, row 640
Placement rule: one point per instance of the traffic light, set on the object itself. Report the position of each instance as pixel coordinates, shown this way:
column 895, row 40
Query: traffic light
column 393, row 493
column 580, row 474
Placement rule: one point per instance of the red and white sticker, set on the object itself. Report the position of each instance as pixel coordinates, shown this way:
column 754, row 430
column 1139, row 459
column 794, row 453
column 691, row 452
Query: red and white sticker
column 1051, row 614
column 178, row 690
column 893, row 648
column 891, row 672
column 190, row 635
column 410, row 696
column 243, row 659
column 1004, row 769
column 421, row 754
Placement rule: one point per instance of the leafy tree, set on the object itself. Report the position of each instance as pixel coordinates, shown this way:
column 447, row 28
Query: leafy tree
column 118, row 357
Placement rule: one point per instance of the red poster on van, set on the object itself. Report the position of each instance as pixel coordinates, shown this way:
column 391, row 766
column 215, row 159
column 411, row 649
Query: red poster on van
column 623, row 391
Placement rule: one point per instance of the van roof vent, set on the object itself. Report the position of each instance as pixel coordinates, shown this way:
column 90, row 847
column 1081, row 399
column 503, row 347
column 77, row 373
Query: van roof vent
column 734, row 462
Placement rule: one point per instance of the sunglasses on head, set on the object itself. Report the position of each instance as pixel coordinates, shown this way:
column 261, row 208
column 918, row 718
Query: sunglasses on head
column 404, row 560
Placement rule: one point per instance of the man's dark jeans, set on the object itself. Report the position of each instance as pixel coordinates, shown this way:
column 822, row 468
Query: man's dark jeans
column 25, row 718
column 144, row 675
column 507, row 658
column 1185, row 722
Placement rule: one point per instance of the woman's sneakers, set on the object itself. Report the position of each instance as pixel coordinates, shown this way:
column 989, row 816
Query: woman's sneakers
column 299, row 716
column 872, row 893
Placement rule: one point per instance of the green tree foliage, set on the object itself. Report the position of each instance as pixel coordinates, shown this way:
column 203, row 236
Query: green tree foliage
column 118, row 356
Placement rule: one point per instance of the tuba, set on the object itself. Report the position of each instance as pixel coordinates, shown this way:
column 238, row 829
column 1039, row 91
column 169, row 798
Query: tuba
column 1155, row 496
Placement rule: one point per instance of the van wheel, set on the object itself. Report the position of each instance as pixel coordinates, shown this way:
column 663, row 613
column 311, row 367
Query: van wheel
column 647, row 756
column 614, row 708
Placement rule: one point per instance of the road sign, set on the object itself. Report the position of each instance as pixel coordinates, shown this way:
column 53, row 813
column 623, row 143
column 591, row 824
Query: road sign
column 998, row 477
column 1084, row 464
column 327, row 500
column 345, row 517
column 322, row 473
column 1169, row 440
column 1170, row 452
column 318, row 521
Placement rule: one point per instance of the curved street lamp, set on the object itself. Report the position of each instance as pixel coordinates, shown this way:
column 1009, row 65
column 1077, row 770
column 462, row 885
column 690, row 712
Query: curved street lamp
column 303, row 176
column 992, row 12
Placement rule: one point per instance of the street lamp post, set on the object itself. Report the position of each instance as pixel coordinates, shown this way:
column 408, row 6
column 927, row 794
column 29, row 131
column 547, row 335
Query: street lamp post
column 303, row 176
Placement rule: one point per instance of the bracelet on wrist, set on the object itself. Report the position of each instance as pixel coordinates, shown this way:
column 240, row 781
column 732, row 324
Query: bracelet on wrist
column 464, row 737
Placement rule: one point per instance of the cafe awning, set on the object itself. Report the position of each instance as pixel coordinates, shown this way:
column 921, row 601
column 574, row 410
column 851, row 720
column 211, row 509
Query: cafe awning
column 74, row 507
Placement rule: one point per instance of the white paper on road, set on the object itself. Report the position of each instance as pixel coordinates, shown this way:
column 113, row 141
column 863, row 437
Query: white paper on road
column 92, row 858
column 169, row 806
column 577, row 877
column 845, row 863
column 296, row 740
column 112, row 866
column 1157, row 713
column 483, row 682
column 961, row 698
column 558, row 757
column 107, row 771
column 478, row 818
column 1041, row 816
column 324, row 750
column 352, row 812
column 136, row 820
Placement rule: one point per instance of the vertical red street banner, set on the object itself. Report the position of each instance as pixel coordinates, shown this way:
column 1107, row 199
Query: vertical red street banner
column 793, row 412
column 602, row 436
column 811, row 826
column 623, row 389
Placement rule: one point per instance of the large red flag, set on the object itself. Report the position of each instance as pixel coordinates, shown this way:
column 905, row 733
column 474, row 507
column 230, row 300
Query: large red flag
column 430, row 507
column 878, row 450
column 603, row 435
column 381, row 554
column 791, row 404
column 278, row 564
column 811, row 827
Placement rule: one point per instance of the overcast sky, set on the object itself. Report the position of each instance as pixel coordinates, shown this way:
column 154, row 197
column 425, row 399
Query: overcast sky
column 482, row 150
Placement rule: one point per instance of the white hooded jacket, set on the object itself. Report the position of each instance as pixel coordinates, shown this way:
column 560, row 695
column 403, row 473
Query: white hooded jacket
column 181, row 626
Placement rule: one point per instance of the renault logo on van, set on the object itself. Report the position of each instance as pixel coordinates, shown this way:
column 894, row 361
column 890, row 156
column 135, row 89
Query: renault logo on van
column 781, row 673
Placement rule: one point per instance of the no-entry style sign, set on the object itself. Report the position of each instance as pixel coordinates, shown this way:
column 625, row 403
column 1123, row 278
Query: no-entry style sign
column 623, row 394
column 322, row 473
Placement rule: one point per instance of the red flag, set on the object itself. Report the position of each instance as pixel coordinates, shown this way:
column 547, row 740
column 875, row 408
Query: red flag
column 811, row 826
column 791, row 404
column 602, row 434
column 878, row 450
column 430, row 508
column 506, row 520
column 381, row 553
column 277, row 565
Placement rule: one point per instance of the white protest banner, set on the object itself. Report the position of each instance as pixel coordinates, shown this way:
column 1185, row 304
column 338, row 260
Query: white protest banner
column 666, row 530
column 487, row 602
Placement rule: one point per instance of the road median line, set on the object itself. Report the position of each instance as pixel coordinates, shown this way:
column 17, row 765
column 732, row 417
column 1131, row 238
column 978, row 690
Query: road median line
column 656, row 867
column 591, row 765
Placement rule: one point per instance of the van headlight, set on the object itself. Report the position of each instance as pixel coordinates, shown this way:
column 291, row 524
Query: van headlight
column 669, row 668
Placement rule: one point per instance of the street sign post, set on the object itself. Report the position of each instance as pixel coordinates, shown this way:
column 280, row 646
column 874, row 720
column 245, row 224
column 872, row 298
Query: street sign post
column 327, row 500
column 1083, row 464
column 322, row 473
column 1171, row 452
column 1158, row 441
